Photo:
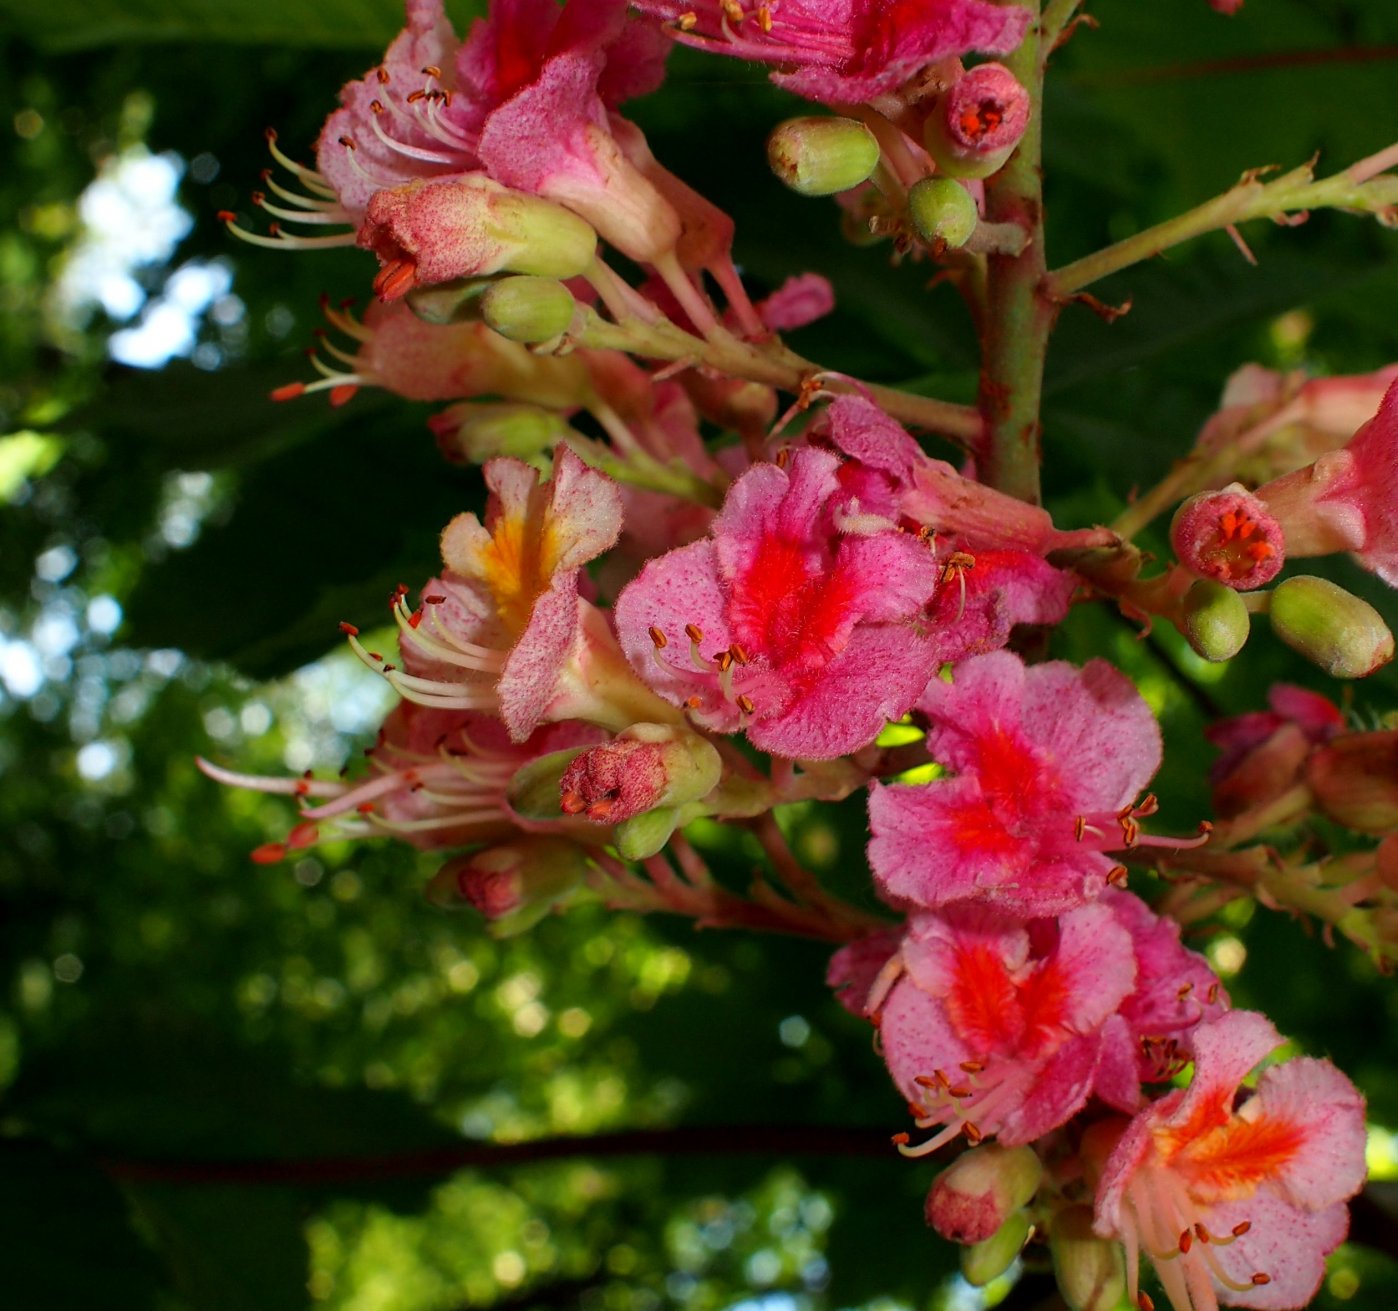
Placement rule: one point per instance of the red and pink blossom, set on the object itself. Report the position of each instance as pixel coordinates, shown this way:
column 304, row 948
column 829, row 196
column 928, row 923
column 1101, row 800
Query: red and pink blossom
column 1046, row 765
column 781, row 623
column 1236, row 1196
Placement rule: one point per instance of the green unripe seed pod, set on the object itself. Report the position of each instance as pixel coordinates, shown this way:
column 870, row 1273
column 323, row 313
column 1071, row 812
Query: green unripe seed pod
column 820, row 156
column 982, row 1262
column 1214, row 620
column 1331, row 627
column 942, row 210
column 528, row 309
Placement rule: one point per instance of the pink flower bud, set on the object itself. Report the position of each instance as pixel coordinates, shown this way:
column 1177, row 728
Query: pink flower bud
column 465, row 227
column 1229, row 536
column 1355, row 780
column 973, row 1197
column 978, row 122
column 648, row 765
column 512, row 884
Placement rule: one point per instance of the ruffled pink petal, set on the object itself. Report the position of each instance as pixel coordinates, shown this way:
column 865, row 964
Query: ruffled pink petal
column 1226, row 1051
column 1327, row 1165
column 892, row 41
column 800, row 300
column 916, row 1038
column 530, row 677
column 1058, row 1090
column 676, row 590
column 1287, row 1244
column 874, row 679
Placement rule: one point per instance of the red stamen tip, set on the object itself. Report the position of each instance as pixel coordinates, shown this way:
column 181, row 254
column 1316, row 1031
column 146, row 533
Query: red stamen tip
column 269, row 853
column 289, row 392
column 349, row 630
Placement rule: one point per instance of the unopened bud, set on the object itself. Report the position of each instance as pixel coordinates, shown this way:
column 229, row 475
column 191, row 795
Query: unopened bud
column 646, row 766
column 1229, row 536
column 472, row 432
column 1214, row 620
column 513, row 884
column 942, row 210
column 469, row 226
column 982, row 1262
column 820, row 156
column 1331, row 627
column 976, row 1193
column 1355, row 780
column 978, row 122
column 529, row 309
column 1091, row 1271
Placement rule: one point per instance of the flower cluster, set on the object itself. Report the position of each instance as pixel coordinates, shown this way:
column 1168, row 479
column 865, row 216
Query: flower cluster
column 673, row 558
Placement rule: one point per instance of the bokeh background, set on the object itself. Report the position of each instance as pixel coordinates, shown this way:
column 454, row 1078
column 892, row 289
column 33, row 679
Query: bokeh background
column 232, row 1087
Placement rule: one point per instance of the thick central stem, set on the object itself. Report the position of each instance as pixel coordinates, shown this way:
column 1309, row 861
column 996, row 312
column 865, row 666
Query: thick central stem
column 1019, row 316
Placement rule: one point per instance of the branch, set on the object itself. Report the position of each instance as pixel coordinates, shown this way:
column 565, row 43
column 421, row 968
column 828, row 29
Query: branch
column 1358, row 188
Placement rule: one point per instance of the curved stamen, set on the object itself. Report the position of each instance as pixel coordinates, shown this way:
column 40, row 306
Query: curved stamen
column 311, row 177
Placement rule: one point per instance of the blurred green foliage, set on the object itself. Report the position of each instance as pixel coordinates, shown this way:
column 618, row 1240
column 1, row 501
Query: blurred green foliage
column 186, row 1039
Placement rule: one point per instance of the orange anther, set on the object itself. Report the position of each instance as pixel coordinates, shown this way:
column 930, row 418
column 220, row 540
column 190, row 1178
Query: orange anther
column 694, row 632
column 658, row 637
column 745, row 704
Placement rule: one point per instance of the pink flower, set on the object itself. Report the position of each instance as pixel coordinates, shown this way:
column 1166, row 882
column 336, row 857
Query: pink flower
column 783, row 624
column 1345, row 501
column 504, row 630
column 993, row 1027
column 421, row 112
column 1236, row 1197
column 1031, row 1003
column 439, row 779
column 843, row 51
column 1046, row 764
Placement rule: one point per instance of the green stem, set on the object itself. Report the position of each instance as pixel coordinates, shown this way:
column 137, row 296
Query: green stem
column 771, row 363
column 1019, row 316
column 1356, row 188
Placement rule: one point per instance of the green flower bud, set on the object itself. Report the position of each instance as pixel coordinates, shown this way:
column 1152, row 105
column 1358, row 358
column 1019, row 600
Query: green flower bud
column 820, row 156
column 1214, row 620
column 1091, row 1271
column 476, row 431
column 982, row 1262
column 942, row 210
column 528, row 309
column 1330, row 627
